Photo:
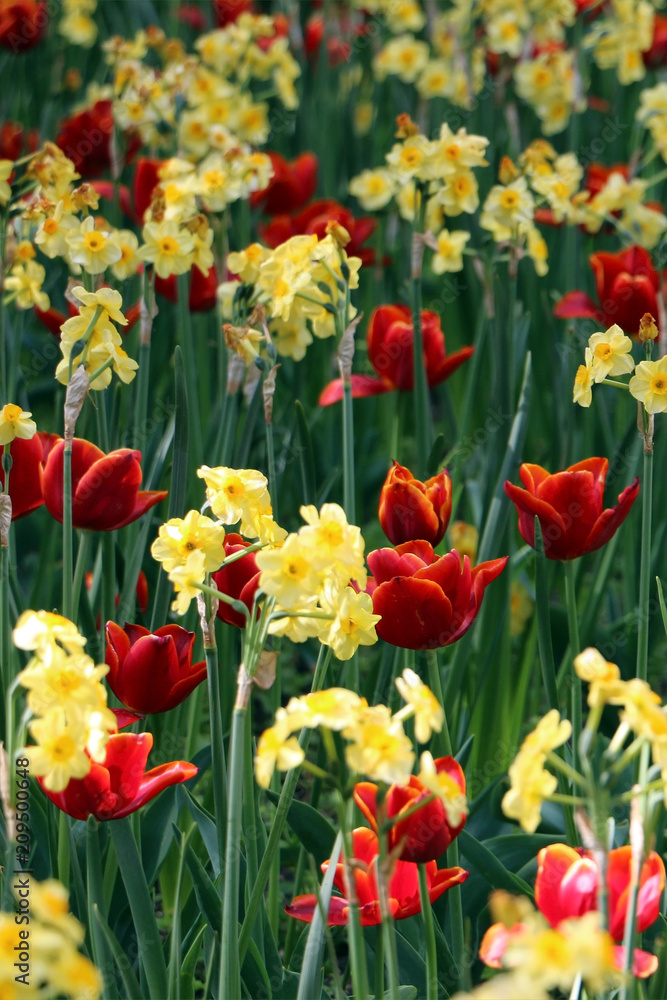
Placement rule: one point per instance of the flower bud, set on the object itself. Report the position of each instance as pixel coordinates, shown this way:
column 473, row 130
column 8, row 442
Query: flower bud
column 647, row 328
column 410, row 509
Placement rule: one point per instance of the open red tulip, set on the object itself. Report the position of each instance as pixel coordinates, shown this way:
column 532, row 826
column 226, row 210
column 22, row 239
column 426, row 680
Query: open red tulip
column 427, row 601
column 314, row 219
column 291, row 187
column 425, row 833
column 569, row 505
column 27, row 472
column 22, row 24
column 390, row 337
column 120, row 785
column 151, row 671
column 410, row 509
column 626, row 283
column 403, row 886
column 105, row 488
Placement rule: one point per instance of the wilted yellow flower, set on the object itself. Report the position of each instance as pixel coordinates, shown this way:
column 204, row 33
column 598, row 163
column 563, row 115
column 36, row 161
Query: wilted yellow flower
column 58, row 755
column 15, row 423
column 429, row 713
column 353, row 625
column 445, row 788
column 649, row 385
column 378, row 746
column 179, row 537
column 276, row 747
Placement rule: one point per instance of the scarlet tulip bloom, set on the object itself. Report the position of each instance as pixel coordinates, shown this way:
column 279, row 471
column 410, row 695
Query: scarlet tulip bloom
column 120, row 785
column 403, row 886
column 27, row 472
column 151, row 671
column 626, row 283
column 227, row 11
column 410, row 509
column 291, row 187
column 569, row 507
column 314, row 219
column 390, row 338
column 22, row 24
column 656, row 56
column 239, row 580
column 567, row 883
column 425, row 834
column 105, row 488
column 427, row 601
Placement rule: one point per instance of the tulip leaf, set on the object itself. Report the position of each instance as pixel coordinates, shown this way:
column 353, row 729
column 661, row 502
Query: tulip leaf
column 189, row 964
column 207, row 828
column 130, row 982
column 411, row 965
column 314, row 831
column 306, row 454
column 310, row 983
column 436, row 455
column 487, row 864
column 254, row 974
column 208, row 896
column 464, row 753
column 156, row 834
column 177, row 485
column 661, row 598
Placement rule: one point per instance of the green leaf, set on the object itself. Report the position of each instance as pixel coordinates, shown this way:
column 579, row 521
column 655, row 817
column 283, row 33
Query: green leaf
column 314, row 831
column 661, row 598
column 488, row 865
column 310, row 984
column 254, row 974
column 130, row 982
column 434, row 462
column 206, row 826
column 189, row 964
column 156, row 831
column 207, row 895
column 177, row 486
column 306, row 454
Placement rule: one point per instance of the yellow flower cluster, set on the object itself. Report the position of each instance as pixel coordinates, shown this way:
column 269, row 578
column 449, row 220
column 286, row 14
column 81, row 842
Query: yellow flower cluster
column 76, row 23
column 444, row 166
column 642, row 710
column 377, row 746
column 507, row 23
column 652, row 113
column 547, row 84
column 102, row 349
column 65, row 692
column 55, row 967
column 609, row 354
column 303, row 285
column 309, row 576
column 530, row 782
column 508, row 214
column 619, row 38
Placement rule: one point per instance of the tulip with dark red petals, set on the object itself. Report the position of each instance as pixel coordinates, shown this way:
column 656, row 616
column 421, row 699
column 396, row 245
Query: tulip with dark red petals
column 105, row 488
column 404, row 898
column 569, row 505
column 22, row 24
column 202, row 293
column 291, row 187
column 425, row 834
column 656, row 56
column 27, row 472
column 314, row 219
column 390, row 338
column 427, row 601
column 239, row 580
column 227, row 11
column 151, row 671
column 120, row 785
column 410, row 509
column 627, row 285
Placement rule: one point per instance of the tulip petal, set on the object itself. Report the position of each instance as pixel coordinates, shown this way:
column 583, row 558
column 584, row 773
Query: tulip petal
column 450, row 364
column 494, row 945
column 126, row 757
column 365, row 796
column 577, row 305
column 362, row 386
column 610, row 520
column 84, row 797
column 644, row 964
column 528, row 507
column 155, row 781
column 303, row 908
column 415, row 613
column 553, row 863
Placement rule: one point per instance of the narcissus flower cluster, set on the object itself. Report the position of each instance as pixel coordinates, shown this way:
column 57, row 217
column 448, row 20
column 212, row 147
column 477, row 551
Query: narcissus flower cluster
column 608, row 353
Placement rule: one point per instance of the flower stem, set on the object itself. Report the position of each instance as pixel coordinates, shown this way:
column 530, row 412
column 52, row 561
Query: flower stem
column 354, row 931
column 423, row 416
column 645, row 567
column 230, row 972
column 217, row 745
column 575, row 649
column 85, row 539
column 388, row 928
column 68, row 589
column 429, row 936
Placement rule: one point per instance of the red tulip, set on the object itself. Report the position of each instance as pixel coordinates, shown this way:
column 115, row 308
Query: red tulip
column 567, row 882
column 120, row 785
column 656, row 56
column 626, row 285
column 239, row 580
column 151, row 671
column 569, row 506
column 13, row 141
column 403, row 886
column 410, row 509
column 22, row 24
column 425, row 834
column 202, row 292
column 291, row 187
column 314, row 219
column 390, row 338
column 105, row 488
column 86, row 139
column 27, row 472
column 427, row 601
column 190, row 14
column 227, row 11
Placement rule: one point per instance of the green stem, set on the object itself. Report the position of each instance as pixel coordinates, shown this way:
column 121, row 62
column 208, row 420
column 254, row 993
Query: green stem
column 388, row 928
column 423, row 415
column 379, row 961
column 230, row 971
column 442, row 739
column 348, row 453
column 429, row 937
column 85, row 540
column 108, row 577
column 456, row 917
column 68, row 589
column 354, row 932
column 575, row 649
column 645, row 567
column 190, row 366
column 95, row 893
column 217, row 745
